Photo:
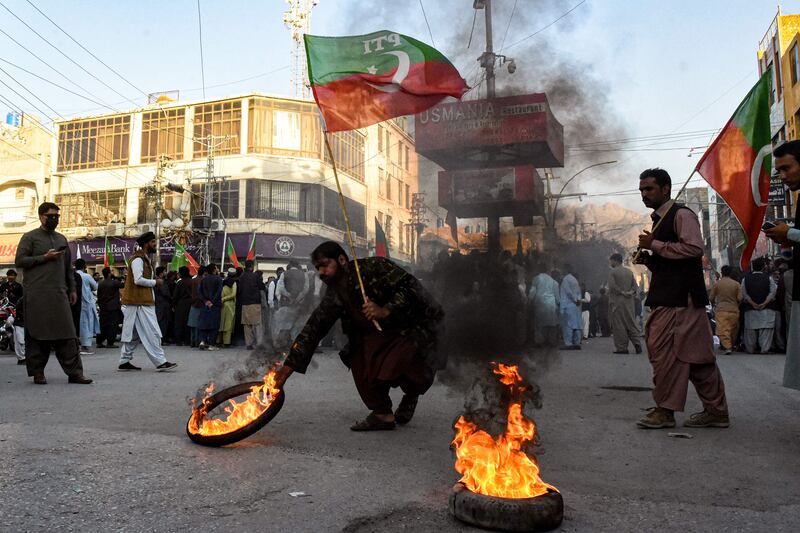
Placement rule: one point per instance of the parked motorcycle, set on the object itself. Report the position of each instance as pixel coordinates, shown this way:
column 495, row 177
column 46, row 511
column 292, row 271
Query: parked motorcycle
column 7, row 310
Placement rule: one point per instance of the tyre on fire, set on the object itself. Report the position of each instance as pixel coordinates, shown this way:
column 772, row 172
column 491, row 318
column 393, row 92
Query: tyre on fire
column 541, row 513
column 243, row 432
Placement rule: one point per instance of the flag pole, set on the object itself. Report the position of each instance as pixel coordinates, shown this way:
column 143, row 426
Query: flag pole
column 660, row 220
column 347, row 226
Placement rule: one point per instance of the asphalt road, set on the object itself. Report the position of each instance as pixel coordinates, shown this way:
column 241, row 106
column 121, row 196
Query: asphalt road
column 113, row 456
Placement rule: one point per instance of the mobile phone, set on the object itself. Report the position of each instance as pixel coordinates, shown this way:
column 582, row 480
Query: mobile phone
column 767, row 225
column 61, row 248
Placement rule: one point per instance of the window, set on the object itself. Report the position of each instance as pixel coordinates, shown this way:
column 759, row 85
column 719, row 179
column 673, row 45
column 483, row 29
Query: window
column 408, row 197
column 348, row 149
column 280, row 200
column 380, row 138
column 226, row 196
column 794, row 57
column 399, row 192
column 401, row 240
column 388, row 229
column 283, row 128
column 400, row 154
column 332, row 213
column 381, row 183
column 96, row 208
column 19, row 193
column 163, row 134
column 389, row 180
column 407, row 165
column 218, row 119
column 96, row 143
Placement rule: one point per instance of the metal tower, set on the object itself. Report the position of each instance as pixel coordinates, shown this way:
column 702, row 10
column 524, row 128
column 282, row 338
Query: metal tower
column 298, row 20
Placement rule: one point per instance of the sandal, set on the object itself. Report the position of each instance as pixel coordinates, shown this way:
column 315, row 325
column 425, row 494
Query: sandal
column 372, row 423
column 405, row 411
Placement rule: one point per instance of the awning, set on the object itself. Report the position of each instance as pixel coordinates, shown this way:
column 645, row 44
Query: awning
column 8, row 247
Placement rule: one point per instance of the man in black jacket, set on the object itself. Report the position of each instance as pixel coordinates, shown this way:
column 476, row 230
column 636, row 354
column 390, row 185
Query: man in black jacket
column 110, row 314
column 249, row 296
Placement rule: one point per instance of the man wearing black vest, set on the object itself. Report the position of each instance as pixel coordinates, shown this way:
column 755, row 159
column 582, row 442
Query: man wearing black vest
column 758, row 291
column 786, row 160
column 678, row 333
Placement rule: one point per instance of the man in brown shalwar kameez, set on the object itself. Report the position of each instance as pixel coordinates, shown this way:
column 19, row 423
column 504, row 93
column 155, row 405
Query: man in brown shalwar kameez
column 678, row 333
column 398, row 356
column 49, row 289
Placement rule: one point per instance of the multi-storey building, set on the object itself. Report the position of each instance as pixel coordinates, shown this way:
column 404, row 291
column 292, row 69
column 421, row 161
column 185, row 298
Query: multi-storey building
column 24, row 179
column 277, row 181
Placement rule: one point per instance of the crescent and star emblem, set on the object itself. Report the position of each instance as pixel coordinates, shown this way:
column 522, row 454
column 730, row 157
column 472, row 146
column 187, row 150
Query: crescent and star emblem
column 403, row 65
column 755, row 173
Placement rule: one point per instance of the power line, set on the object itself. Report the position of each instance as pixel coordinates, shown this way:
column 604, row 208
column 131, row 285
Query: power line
column 37, row 108
column 510, row 18
column 426, row 23
column 202, row 62
column 86, row 49
column 540, row 30
column 65, row 55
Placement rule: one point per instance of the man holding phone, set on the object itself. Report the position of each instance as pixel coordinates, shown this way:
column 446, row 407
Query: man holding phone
column 786, row 161
column 48, row 291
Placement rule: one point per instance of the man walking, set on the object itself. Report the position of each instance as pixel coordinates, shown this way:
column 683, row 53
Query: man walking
column 49, row 288
column 89, row 322
column 108, row 299
column 570, row 301
column 622, row 305
column 251, row 288
column 544, row 297
column 678, row 333
column 758, row 292
column 163, row 304
column 139, row 315
column 725, row 296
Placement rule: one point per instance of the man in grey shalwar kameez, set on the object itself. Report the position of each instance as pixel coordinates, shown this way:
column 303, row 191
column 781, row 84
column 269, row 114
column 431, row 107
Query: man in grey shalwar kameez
column 544, row 297
column 140, row 323
column 49, row 289
column 623, row 288
column 786, row 160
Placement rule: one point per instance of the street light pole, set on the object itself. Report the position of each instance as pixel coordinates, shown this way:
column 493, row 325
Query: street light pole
column 560, row 193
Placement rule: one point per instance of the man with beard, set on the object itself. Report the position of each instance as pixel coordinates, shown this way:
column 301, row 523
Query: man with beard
column 379, row 360
column 678, row 333
column 787, row 163
column 49, row 289
column 110, row 314
column 139, row 322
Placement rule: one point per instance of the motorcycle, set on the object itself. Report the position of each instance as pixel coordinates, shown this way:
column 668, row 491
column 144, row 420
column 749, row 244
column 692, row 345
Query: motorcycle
column 7, row 310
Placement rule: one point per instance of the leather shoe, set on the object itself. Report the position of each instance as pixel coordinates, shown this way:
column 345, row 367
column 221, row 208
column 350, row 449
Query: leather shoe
column 621, row 351
column 638, row 348
column 79, row 379
column 39, row 379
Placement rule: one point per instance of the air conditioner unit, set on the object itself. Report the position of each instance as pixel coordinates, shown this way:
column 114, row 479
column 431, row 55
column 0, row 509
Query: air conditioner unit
column 217, row 225
column 144, row 228
column 201, row 223
column 115, row 229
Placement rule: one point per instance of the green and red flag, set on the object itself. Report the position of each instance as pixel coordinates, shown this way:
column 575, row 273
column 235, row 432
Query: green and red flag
column 360, row 80
column 381, row 243
column 738, row 163
column 108, row 255
column 232, row 254
column 183, row 258
column 251, row 253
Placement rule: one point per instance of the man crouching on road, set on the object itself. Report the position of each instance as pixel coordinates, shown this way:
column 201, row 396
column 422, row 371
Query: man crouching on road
column 379, row 360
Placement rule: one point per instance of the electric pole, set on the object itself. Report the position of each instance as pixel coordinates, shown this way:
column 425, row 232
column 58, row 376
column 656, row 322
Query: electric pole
column 298, row 20
column 158, row 189
column 210, row 142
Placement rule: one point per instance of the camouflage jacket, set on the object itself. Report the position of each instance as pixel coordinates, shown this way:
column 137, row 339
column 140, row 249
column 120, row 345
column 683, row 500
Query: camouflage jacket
column 413, row 312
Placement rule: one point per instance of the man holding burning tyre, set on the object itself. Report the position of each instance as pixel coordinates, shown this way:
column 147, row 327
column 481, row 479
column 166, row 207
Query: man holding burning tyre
column 397, row 356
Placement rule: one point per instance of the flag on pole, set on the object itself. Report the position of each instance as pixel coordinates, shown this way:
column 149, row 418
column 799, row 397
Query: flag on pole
column 183, row 258
column 251, row 253
column 232, row 254
column 381, row 244
column 360, row 80
column 108, row 255
column 738, row 163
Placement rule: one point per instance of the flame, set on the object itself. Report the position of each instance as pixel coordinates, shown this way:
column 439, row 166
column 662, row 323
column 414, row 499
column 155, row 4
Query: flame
column 498, row 466
column 238, row 414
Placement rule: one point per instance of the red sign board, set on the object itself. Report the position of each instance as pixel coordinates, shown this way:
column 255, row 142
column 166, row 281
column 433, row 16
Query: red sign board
column 499, row 132
column 509, row 191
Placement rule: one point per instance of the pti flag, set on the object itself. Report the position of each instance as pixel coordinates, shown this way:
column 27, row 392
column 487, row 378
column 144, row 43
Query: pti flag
column 381, row 244
column 364, row 79
column 183, row 258
column 108, row 255
column 251, row 253
column 738, row 163
column 232, row 254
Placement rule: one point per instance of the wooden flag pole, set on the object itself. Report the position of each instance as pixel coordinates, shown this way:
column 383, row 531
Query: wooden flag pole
column 347, row 226
column 660, row 220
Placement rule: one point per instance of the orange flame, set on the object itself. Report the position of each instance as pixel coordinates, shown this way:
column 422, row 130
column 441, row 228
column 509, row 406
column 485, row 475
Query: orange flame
column 238, row 414
column 498, row 467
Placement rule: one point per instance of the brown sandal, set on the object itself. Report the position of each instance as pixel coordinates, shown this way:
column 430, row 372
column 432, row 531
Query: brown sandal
column 372, row 423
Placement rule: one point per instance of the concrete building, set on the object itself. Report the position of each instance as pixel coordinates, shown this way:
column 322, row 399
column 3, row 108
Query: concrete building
column 278, row 181
column 24, row 179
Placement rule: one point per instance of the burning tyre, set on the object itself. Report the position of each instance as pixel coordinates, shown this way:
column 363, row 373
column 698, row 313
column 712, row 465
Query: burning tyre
column 238, row 420
column 541, row 513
